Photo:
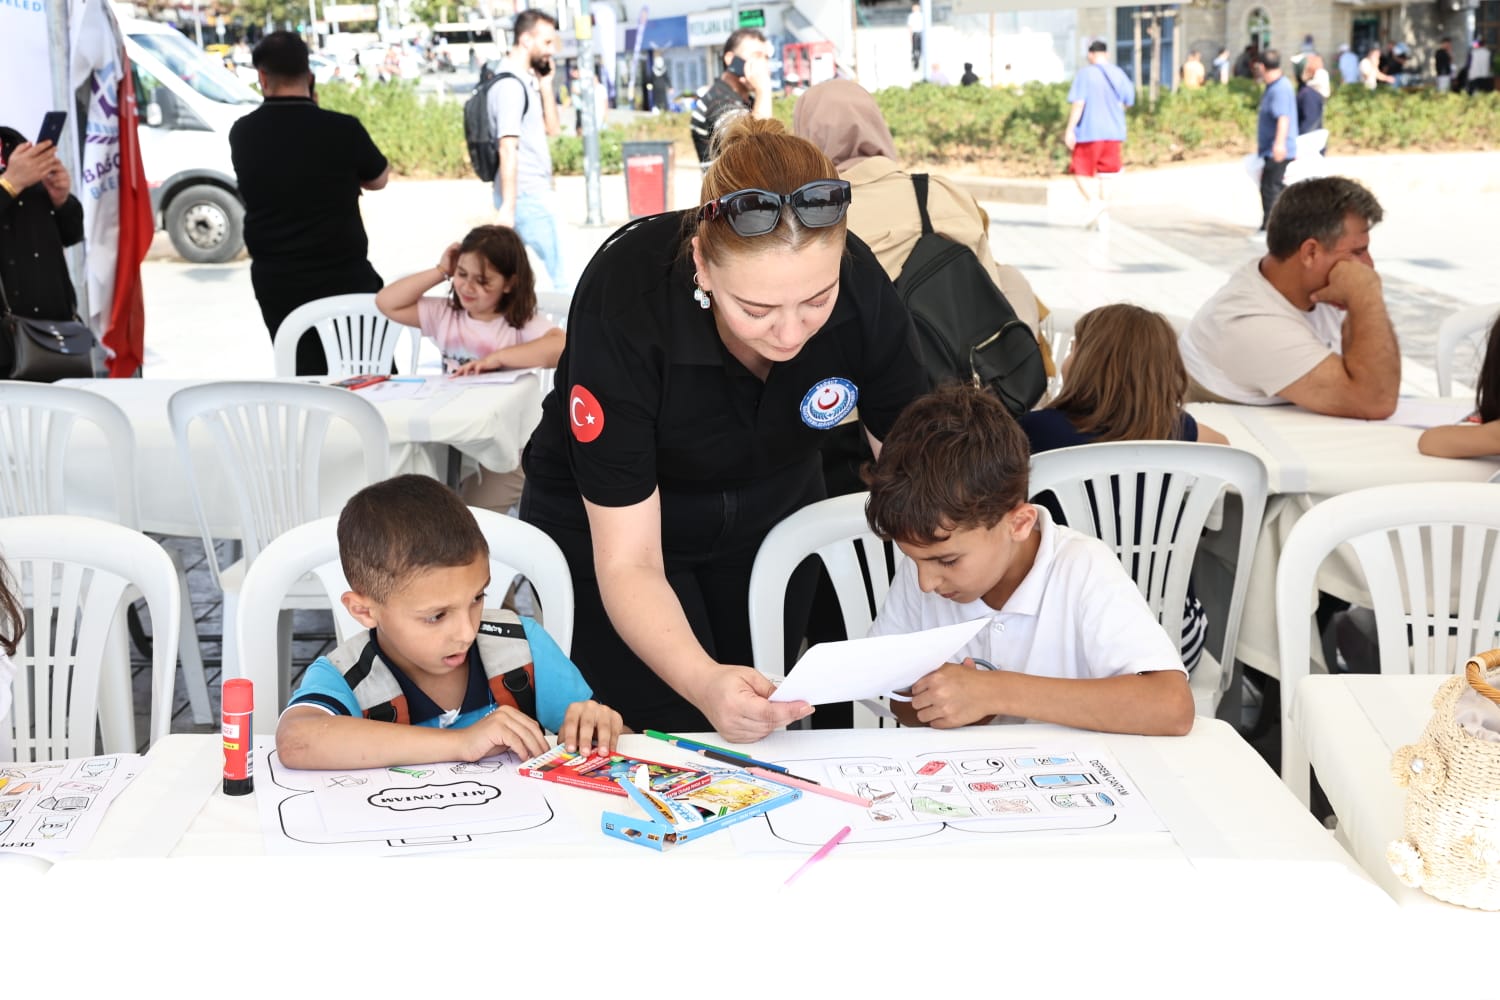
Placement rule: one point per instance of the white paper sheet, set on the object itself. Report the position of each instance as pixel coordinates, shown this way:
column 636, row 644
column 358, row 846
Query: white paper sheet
column 874, row 666
column 503, row 377
column 1425, row 413
column 331, row 812
column 53, row 808
column 955, row 794
column 403, row 387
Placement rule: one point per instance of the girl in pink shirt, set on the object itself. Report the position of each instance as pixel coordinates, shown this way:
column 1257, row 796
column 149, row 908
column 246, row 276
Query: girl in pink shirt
column 487, row 321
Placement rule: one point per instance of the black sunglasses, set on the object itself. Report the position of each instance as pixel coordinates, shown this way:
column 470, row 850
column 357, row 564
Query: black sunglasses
column 754, row 212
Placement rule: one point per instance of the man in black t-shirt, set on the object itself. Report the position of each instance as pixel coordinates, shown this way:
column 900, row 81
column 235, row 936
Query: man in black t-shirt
column 744, row 88
column 300, row 171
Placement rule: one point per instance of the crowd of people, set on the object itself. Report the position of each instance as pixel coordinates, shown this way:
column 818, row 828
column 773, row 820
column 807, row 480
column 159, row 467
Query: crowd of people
column 708, row 356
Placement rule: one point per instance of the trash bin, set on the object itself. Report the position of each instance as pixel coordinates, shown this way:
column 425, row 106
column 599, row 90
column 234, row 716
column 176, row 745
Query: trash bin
column 648, row 177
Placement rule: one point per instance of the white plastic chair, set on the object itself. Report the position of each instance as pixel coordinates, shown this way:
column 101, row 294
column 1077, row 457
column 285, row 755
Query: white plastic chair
column 1057, row 329
column 36, row 427
column 312, row 548
column 1465, row 325
column 268, row 437
column 1427, row 553
column 835, row 530
column 1175, row 486
column 357, row 338
column 73, row 575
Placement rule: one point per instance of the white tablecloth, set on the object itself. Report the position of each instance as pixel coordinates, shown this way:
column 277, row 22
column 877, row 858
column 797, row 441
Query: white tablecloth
column 488, row 424
column 1308, row 457
column 1350, row 725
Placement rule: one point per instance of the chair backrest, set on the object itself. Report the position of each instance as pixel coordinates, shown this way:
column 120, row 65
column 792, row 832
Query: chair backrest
column 71, row 574
column 312, row 548
column 1467, row 324
column 835, row 530
column 36, row 425
column 556, row 305
column 1428, row 558
column 357, row 338
column 1174, row 485
column 268, row 437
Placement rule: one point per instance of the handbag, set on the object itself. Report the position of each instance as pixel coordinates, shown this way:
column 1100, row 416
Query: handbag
column 43, row 350
column 1451, row 847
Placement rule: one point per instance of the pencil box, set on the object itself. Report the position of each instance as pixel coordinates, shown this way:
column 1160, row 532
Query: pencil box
column 731, row 797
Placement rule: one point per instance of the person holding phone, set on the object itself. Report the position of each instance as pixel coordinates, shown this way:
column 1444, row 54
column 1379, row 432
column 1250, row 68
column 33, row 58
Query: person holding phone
column 744, row 88
column 38, row 218
column 523, row 116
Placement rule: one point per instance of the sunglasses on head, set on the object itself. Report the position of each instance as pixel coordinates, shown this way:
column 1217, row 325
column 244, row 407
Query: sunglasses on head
column 754, row 212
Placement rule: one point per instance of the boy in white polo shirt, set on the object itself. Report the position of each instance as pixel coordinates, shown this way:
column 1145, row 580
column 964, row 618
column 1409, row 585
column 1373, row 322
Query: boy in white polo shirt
column 1070, row 637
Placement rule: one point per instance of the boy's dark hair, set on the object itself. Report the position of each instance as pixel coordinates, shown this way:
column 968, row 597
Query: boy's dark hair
column 1487, row 394
column 527, row 20
column 1270, row 59
column 1316, row 209
column 402, row 526
column 281, row 55
column 955, row 459
column 739, row 35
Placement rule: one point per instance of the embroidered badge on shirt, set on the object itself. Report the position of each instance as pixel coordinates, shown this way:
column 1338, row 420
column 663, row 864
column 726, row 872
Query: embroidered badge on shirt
column 585, row 414
column 828, row 402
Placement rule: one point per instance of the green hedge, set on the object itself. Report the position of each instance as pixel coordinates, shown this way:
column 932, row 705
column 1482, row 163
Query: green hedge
column 1016, row 132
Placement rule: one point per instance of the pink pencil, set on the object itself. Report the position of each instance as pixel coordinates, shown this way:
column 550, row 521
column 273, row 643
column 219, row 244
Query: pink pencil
column 819, row 854
column 808, row 786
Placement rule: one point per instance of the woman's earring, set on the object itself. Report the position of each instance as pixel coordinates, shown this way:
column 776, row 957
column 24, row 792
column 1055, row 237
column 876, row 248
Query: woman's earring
column 705, row 299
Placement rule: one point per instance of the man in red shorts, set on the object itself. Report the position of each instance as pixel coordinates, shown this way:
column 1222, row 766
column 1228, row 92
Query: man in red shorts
column 1096, row 125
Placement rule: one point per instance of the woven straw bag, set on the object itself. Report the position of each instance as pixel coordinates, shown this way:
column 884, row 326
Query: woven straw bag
column 1452, row 778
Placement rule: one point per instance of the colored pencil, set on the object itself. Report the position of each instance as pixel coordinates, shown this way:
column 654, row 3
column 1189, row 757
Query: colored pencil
column 716, row 753
column 809, row 786
column 819, row 854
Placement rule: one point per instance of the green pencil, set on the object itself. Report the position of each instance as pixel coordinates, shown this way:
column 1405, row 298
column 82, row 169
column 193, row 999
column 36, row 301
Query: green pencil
column 694, row 744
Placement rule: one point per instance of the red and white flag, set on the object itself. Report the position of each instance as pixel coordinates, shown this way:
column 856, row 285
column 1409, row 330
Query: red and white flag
column 111, row 184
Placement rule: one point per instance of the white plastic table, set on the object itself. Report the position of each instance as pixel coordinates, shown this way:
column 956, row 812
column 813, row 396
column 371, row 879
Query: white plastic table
column 1308, row 457
column 488, row 424
column 1351, row 724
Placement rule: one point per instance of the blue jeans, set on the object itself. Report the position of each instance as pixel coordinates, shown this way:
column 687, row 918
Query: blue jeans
column 538, row 230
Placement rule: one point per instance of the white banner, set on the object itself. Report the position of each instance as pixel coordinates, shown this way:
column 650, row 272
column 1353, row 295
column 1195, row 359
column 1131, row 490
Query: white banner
column 25, row 66
column 96, row 64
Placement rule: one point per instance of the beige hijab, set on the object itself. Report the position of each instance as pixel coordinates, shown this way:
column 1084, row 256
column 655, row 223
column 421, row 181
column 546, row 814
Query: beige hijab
column 843, row 120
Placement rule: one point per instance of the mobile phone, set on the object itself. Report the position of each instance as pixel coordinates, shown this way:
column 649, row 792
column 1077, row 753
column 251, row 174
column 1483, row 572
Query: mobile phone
column 52, row 126
column 737, row 66
column 361, row 381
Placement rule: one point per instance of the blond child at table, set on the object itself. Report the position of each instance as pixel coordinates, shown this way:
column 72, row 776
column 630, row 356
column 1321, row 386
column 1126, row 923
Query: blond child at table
column 1480, row 434
column 1070, row 640
column 487, row 321
column 1124, row 381
column 437, row 677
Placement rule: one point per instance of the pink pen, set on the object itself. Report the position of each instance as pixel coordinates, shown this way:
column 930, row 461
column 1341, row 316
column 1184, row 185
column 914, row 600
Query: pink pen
column 819, row 855
column 808, row 786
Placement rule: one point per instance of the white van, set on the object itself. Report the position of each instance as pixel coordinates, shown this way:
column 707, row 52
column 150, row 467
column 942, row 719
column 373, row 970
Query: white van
column 188, row 102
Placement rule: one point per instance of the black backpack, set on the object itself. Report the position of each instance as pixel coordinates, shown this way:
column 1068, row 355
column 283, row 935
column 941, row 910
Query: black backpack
column 965, row 327
column 484, row 148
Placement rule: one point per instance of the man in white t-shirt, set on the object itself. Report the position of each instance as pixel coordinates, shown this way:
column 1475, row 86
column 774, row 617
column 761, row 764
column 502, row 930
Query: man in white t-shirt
column 1070, row 640
column 1306, row 323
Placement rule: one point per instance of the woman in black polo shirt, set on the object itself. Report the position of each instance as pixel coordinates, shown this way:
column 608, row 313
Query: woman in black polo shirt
column 709, row 351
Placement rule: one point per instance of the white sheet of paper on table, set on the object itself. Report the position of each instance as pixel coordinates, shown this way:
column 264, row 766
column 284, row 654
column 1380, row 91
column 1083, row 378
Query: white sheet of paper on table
column 398, row 388
column 1425, row 413
column 874, row 666
column 503, row 377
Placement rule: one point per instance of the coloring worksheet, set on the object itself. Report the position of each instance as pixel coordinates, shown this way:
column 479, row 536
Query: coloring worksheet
column 958, row 795
column 423, row 808
column 53, row 808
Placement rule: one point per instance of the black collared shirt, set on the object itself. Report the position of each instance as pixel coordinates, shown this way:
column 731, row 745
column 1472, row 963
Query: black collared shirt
column 299, row 170
column 676, row 409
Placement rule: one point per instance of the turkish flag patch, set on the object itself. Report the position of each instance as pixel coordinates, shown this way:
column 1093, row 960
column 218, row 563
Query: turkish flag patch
column 585, row 415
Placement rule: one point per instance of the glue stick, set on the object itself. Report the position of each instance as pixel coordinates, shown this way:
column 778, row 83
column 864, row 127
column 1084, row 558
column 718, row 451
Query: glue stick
column 238, row 704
